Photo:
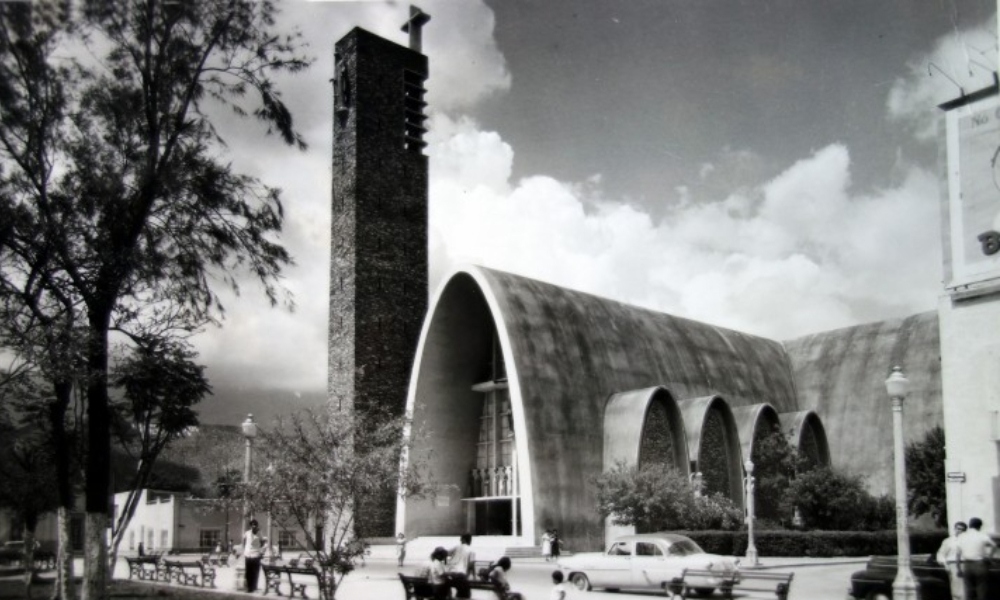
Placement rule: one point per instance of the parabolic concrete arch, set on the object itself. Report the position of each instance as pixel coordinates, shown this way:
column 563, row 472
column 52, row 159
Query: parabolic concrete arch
column 713, row 445
column 644, row 426
column 752, row 421
column 464, row 353
column 804, row 430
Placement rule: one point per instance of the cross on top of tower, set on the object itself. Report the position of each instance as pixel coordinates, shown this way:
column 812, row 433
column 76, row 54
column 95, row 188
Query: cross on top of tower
column 413, row 25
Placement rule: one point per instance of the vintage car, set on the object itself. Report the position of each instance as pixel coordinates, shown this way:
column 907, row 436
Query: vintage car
column 647, row 561
column 875, row 581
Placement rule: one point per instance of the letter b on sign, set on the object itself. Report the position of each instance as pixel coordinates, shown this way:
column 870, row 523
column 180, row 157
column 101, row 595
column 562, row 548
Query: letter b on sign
column 990, row 241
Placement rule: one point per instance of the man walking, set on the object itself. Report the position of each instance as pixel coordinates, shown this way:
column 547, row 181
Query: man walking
column 975, row 549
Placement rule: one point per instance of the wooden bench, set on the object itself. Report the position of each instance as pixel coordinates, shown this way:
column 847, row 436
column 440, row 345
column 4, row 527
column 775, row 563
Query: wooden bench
column 481, row 569
column 768, row 582
column 300, row 577
column 144, row 567
column 416, row 588
column 272, row 578
column 192, row 572
column 490, row 586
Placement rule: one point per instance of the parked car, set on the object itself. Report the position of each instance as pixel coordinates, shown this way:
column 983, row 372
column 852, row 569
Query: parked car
column 875, row 581
column 646, row 561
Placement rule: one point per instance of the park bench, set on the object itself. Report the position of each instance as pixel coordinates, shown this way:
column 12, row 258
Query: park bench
column 272, row 578
column 490, row 586
column 193, row 572
column 215, row 560
column 143, row 567
column 416, row 588
column 767, row 582
column 300, row 577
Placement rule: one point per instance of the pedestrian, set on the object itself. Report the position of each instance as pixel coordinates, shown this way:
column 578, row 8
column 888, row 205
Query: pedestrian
column 499, row 576
column 253, row 550
column 559, row 591
column 946, row 556
column 461, row 562
column 556, row 542
column 547, row 545
column 975, row 549
column 400, row 548
column 142, row 549
column 436, row 570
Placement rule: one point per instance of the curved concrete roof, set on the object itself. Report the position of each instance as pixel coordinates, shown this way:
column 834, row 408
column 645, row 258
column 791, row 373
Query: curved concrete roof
column 841, row 375
column 749, row 419
column 566, row 353
column 696, row 412
column 798, row 425
column 625, row 421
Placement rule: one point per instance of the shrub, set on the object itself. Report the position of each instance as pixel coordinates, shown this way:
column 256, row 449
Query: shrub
column 815, row 543
column 925, row 477
column 657, row 498
column 832, row 500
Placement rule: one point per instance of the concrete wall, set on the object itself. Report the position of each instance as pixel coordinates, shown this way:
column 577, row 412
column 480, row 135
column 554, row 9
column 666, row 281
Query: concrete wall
column 841, row 375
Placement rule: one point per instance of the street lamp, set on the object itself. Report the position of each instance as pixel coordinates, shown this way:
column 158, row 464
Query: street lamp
column 749, row 488
column 249, row 432
column 905, row 585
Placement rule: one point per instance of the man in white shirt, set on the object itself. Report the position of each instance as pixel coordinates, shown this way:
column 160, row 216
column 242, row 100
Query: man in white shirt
column 253, row 550
column 461, row 560
column 946, row 557
column 973, row 553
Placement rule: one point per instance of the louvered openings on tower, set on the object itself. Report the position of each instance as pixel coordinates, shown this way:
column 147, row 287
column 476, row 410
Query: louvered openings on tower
column 413, row 92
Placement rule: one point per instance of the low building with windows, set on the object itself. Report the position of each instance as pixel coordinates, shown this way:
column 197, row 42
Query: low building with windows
column 175, row 522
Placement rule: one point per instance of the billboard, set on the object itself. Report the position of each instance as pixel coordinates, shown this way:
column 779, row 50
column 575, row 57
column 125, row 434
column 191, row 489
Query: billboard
column 972, row 249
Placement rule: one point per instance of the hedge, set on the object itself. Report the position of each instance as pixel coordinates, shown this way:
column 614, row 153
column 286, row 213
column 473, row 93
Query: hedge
column 815, row 543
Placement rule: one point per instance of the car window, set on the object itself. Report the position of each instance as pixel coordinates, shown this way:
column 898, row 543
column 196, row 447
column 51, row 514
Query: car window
column 647, row 549
column 620, row 549
column 684, row 548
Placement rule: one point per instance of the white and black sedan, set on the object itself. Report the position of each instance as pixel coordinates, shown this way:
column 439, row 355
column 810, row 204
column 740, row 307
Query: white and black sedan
column 646, row 561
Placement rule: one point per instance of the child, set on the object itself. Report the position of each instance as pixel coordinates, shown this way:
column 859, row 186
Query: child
column 559, row 591
column 400, row 547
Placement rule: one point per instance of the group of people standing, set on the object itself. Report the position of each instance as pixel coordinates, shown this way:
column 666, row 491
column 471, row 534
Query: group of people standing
column 550, row 544
column 967, row 556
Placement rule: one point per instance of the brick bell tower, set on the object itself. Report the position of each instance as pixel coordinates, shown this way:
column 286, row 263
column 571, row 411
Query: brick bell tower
column 378, row 267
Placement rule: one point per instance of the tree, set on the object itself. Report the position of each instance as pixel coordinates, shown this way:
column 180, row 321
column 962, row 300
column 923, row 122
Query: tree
column 29, row 483
column 659, row 497
column 831, row 499
column 319, row 477
column 124, row 196
column 925, row 477
column 161, row 385
column 776, row 464
column 39, row 322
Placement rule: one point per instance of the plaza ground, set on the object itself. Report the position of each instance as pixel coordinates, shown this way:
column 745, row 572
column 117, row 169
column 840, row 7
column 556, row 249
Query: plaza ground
column 815, row 579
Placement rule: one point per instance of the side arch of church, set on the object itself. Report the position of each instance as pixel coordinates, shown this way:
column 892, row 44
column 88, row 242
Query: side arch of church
column 752, row 422
column 804, row 431
column 714, row 445
column 566, row 353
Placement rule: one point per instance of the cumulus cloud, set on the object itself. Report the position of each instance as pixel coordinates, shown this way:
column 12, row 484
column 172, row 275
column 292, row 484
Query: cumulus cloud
column 962, row 60
column 790, row 256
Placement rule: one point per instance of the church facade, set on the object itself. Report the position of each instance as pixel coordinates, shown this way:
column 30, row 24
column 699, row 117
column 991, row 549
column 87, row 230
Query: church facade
column 529, row 390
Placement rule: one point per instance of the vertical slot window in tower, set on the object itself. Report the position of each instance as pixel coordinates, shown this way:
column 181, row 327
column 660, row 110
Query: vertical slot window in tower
column 413, row 100
column 341, row 90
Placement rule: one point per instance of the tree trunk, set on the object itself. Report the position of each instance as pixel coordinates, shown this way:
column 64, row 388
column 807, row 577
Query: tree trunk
column 63, row 589
column 128, row 511
column 28, row 560
column 98, row 456
column 95, row 572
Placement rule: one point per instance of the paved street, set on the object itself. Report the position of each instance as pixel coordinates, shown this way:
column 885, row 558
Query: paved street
column 815, row 579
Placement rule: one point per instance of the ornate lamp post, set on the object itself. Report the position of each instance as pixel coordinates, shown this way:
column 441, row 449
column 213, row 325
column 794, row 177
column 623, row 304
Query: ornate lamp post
column 905, row 585
column 751, row 556
column 249, row 432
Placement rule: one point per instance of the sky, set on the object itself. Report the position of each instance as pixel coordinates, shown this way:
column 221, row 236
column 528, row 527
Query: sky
column 770, row 166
